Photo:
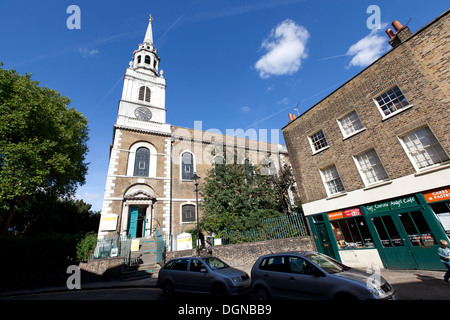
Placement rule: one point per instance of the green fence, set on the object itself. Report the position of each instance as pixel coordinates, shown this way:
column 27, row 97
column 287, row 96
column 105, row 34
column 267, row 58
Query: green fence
column 271, row 229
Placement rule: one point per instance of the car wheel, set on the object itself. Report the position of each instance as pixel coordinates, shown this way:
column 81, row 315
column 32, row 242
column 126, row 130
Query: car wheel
column 218, row 291
column 167, row 289
column 261, row 293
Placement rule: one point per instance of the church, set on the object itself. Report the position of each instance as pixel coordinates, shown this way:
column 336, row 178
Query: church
column 149, row 182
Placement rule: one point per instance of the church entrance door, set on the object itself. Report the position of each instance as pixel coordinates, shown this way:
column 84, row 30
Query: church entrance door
column 136, row 224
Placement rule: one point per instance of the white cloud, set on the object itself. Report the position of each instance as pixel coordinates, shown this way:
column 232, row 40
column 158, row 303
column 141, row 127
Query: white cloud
column 286, row 46
column 368, row 49
column 88, row 53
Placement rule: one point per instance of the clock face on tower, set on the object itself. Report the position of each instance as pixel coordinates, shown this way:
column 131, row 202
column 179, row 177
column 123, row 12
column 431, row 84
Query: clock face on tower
column 143, row 114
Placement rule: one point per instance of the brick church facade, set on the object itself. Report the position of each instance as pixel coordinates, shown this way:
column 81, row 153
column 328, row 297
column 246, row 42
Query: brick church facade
column 149, row 183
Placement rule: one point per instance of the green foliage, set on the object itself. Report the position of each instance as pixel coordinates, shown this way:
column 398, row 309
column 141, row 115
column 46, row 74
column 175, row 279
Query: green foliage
column 86, row 246
column 237, row 198
column 42, row 144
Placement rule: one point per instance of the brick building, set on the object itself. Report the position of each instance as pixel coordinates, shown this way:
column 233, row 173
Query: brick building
column 371, row 160
column 149, row 183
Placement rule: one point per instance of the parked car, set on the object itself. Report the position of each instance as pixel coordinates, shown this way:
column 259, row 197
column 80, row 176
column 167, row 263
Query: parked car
column 204, row 275
column 312, row 275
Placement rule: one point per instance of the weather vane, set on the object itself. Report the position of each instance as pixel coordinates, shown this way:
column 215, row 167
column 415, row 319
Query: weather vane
column 151, row 18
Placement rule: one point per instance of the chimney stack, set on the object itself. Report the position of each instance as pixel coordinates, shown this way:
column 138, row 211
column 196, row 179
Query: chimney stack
column 401, row 34
column 292, row 117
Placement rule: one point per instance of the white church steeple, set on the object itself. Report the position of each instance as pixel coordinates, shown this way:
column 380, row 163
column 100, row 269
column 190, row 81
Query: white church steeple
column 149, row 35
column 146, row 57
column 144, row 90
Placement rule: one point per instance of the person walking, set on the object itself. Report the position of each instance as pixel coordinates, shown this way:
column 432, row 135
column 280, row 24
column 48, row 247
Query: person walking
column 444, row 254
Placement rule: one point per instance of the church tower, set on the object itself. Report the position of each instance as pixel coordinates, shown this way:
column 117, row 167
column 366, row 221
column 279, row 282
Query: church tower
column 142, row 105
column 137, row 192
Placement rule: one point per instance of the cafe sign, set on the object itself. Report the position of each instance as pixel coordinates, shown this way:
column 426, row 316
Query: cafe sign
column 392, row 205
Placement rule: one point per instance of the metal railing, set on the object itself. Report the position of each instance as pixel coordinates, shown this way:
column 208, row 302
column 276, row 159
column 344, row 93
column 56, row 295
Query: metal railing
column 275, row 228
column 105, row 247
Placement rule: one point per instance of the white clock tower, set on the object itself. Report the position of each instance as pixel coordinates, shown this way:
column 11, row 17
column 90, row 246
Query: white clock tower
column 142, row 105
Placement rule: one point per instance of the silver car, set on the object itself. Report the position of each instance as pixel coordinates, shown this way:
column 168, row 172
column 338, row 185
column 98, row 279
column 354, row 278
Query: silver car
column 203, row 275
column 312, row 275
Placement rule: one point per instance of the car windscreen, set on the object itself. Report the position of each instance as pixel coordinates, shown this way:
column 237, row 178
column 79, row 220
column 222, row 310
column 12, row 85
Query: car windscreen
column 329, row 265
column 215, row 263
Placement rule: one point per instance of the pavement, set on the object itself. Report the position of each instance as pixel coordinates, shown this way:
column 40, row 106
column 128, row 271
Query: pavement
column 409, row 285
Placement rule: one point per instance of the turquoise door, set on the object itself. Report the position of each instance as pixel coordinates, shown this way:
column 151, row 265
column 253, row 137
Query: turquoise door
column 133, row 222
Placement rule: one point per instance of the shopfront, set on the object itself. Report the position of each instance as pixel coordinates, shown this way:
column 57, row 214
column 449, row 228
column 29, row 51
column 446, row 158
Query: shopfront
column 400, row 233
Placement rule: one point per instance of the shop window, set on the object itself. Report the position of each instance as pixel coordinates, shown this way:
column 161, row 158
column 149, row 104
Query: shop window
column 423, row 148
column 442, row 212
column 387, row 232
column 352, row 233
column 417, row 228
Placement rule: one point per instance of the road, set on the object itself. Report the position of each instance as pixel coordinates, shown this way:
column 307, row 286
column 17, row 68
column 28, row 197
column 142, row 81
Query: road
column 97, row 294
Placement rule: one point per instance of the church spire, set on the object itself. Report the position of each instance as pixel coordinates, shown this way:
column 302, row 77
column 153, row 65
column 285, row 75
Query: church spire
column 146, row 56
column 149, row 34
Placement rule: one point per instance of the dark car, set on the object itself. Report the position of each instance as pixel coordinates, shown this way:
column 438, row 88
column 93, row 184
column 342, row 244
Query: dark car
column 203, row 275
column 312, row 275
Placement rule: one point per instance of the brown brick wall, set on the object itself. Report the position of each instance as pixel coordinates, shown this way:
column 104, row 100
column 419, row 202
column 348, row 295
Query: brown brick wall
column 420, row 68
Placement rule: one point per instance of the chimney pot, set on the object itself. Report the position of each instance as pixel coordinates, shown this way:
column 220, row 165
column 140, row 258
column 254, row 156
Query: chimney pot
column 397, row 25
column 390, row 33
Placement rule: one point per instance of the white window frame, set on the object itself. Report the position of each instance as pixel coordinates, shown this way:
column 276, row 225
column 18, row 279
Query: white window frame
column 413, row 160
column 310, row 139
column 362, row 171
column 348, row 135
column 404, row 108
column 132, row 158
column 325, row 182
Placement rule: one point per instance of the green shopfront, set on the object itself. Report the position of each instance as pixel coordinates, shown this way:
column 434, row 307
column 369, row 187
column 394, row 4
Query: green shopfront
column 399, row 233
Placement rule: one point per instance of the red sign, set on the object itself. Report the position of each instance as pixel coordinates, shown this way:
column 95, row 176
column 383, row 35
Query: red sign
column 437, row 195
column 352, row 212
column 348, row 213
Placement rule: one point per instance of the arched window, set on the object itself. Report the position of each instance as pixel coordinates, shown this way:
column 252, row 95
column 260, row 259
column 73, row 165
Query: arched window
column 187, row 166
column 147, row 59
column 139, row 59
column 188, row 213
column 145, row 94
column 142, row 163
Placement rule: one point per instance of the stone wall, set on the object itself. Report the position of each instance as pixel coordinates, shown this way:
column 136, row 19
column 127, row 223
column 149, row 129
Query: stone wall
column 102, row 268
column 244, row 255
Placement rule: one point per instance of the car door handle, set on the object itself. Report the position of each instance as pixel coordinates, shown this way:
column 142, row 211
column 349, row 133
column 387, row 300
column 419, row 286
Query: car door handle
column 291, row 278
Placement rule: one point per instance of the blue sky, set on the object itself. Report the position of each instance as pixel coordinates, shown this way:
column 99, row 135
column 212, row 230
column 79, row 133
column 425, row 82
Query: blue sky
column 234, row 64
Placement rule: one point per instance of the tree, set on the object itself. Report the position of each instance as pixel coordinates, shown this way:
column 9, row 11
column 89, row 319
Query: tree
column 43, row 144
column 236, row 197
column 284, row 187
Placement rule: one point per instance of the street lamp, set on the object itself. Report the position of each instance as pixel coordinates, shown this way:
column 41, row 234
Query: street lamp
column 196, row 178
